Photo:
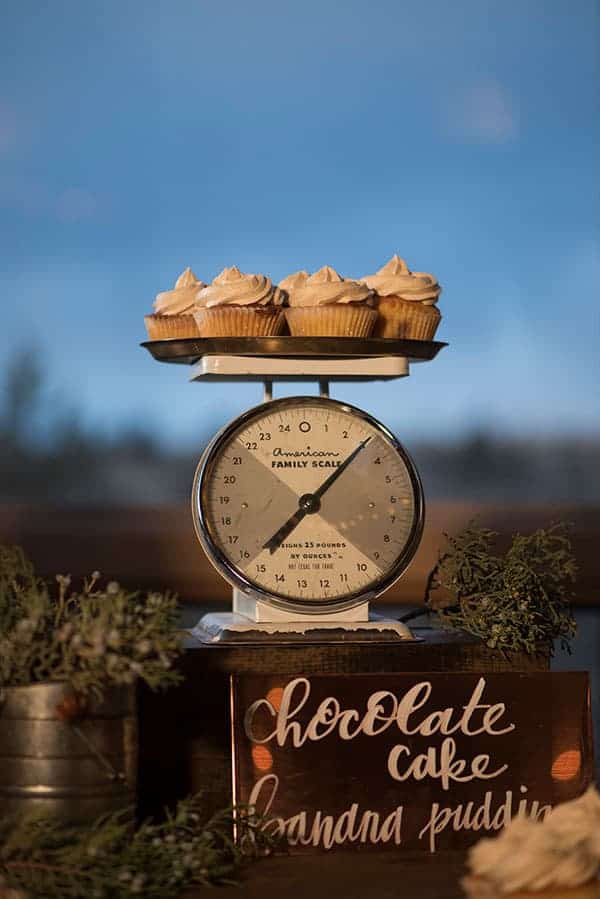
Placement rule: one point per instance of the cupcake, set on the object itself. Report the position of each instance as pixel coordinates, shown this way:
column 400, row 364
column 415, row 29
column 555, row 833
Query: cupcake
column 558, row 858
column 173, row 309
column 293, row 282
column 239, row 305
column 405, row 301
column 327, row 305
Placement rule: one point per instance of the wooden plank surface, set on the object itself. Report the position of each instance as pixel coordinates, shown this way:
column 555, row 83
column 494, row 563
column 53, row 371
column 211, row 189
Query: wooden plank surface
column 156, row 546
column 347, row 876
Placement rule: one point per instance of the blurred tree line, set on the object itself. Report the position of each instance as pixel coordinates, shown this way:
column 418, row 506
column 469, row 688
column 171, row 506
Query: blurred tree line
column 54, row 458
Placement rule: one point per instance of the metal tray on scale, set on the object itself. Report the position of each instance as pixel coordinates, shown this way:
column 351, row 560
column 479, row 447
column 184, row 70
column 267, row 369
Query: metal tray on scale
column 187, row 351
column 294, row 358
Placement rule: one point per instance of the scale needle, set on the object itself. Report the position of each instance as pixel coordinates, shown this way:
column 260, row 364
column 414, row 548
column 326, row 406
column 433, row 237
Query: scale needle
column 309, row 503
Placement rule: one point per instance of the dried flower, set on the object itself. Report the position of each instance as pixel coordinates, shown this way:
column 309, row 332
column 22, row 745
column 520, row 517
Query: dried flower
column 143, row 647
column 64, row 632
column 114, row 638
column 137, row 883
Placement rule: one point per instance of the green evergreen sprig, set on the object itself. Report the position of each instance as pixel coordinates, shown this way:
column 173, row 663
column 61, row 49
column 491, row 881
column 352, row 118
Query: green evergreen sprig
column 513, row 602
column 42, row 859
column 94, row 638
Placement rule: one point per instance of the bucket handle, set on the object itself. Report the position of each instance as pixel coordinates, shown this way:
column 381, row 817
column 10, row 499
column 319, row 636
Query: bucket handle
column 111, row 771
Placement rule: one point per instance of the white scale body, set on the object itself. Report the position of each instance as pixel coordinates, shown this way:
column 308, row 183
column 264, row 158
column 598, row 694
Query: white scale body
column 309, row 507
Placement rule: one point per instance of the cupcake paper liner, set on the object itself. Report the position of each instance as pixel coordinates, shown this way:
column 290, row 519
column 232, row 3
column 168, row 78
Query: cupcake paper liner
column 331, row 321
column 406, row 319
column 163, row 327
column 239, row 321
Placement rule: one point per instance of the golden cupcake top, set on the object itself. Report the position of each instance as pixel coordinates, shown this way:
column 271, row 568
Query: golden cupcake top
column 325, row 288
column 396, row 279
column 182, row 298
column 235, row 288
column 561, row 852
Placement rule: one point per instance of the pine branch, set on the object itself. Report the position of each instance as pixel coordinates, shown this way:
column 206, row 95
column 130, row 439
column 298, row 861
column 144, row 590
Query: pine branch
column 45, row 860
column 519, row 601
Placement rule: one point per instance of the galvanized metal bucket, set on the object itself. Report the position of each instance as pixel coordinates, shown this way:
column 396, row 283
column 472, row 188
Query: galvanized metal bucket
column 68, row 766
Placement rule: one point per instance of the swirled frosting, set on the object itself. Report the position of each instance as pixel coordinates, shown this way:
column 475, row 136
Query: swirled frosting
column 294, row 281
column 395, row 278
column 182, row 298
column 326, row 288
column 235, row 288
column 560, row 852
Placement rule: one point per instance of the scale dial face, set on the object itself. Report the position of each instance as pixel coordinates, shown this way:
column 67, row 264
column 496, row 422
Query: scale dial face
column 308, row 504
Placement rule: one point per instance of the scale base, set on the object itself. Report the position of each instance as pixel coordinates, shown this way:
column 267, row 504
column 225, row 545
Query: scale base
column 229, row 627
column 250, row 608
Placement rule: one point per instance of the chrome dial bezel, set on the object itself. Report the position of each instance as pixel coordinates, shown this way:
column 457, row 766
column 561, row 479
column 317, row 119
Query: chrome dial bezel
column 237, row 578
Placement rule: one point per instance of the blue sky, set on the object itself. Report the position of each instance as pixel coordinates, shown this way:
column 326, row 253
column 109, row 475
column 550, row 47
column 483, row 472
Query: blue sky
column 137, row 138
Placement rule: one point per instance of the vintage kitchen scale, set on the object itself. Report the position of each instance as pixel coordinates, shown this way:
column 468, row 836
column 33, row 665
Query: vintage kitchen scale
column 307, row 506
